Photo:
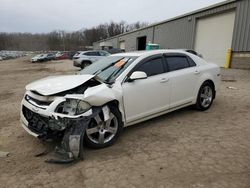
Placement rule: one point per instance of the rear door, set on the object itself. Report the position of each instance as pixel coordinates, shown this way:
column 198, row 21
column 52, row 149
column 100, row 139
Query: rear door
column 183, row 76
column 147, row 96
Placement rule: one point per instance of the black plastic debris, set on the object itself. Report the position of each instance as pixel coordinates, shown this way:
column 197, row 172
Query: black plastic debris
column 71, row 148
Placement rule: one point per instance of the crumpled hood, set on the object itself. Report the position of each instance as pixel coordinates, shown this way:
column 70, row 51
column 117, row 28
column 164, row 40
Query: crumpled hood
column 56, row 84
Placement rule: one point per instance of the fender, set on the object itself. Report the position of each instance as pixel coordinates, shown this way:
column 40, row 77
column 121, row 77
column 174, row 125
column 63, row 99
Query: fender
column 101, row 95
column 213, row 75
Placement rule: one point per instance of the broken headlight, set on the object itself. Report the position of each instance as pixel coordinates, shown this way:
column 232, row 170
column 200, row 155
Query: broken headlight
column 73, row 107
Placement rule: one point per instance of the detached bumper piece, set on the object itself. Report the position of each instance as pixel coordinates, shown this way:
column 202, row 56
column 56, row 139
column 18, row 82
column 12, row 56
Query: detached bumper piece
column 70, row 130
column 71, row 148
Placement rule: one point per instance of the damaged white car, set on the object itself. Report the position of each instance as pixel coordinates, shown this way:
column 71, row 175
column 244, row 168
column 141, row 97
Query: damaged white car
column 117, row 91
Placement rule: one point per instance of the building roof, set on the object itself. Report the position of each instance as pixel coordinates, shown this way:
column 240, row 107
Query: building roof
column 175, row 18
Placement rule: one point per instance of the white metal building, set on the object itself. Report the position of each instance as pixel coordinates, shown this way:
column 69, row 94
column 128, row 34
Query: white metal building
column 211, row 31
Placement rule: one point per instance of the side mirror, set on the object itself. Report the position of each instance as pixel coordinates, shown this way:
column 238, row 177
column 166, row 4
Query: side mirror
column 137, row 75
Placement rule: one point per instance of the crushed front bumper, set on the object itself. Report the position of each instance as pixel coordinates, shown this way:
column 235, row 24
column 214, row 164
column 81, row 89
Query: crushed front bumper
column 40, row 121
column 25, row 127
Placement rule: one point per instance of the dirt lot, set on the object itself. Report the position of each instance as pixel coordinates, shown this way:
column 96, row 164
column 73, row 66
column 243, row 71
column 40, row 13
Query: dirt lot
column 182, row 149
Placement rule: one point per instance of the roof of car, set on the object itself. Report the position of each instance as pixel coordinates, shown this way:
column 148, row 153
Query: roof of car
column 151, row 52
column 92, row 51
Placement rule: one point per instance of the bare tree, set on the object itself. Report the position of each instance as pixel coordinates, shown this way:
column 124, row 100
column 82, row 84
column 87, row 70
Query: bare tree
column 61, row 40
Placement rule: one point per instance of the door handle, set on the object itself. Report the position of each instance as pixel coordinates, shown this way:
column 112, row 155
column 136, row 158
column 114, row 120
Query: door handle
column 197, row 72
column 164, row 80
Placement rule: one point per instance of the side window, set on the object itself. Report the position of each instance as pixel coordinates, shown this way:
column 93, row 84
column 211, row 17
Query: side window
column 97, row 54
column 177, row 63
column 102, row 53
column 91, row 54
column 87, row 53
column 152, row 67
column 191, row 62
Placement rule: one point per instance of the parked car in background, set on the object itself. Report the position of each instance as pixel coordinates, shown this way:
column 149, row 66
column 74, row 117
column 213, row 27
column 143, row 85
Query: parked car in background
column 39, row 58
column 71, row 54
column 115, row 92
column 35, row 58
column 115, row 51
column 4, row 57
column 62, row 55
column 51, row 56
column 58, row 54
column 5, row 54
column 86, row 58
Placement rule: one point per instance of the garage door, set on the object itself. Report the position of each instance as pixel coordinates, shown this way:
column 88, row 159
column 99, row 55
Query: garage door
column 214, row 36
column 122, row 45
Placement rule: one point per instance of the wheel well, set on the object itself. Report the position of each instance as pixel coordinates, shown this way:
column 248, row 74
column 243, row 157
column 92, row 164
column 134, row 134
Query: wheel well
column 113, row 103
column 86, row 61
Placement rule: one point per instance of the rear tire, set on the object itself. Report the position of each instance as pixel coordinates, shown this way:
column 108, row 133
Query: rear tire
column 85, row 64
column 205, row 96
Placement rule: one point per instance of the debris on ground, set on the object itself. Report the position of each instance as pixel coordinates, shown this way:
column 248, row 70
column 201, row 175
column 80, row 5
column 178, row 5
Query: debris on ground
column 43, row 153
column 4, row 154
column 233, row 88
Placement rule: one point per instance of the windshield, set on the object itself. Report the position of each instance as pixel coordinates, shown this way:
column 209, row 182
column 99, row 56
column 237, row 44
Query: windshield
column 109, row 68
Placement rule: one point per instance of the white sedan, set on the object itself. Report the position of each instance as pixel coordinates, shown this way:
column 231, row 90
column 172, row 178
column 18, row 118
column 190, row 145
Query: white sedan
column 38, row 58
column 118, row 91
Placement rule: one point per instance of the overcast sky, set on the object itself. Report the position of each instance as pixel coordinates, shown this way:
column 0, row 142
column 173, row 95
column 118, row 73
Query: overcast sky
column 40, row 16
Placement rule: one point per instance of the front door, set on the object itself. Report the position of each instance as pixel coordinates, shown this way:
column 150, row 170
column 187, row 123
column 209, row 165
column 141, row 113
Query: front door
column 148, row 96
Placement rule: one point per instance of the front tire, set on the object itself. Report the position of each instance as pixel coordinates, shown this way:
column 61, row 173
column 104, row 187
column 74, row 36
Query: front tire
column 205, row 96
column 100, row 134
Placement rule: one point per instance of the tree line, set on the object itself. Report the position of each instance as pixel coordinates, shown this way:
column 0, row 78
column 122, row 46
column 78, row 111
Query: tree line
column 65, row 41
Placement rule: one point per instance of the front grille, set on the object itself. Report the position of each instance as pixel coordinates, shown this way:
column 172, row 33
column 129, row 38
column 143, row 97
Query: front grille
column 37, row 123
column 38, row 102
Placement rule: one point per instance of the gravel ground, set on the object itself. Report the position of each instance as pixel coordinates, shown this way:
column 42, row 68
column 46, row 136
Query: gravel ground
column 185, row 148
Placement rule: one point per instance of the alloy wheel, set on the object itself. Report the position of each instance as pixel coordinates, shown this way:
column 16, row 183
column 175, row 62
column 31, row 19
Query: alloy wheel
column 206, row 96
column 100, row 131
